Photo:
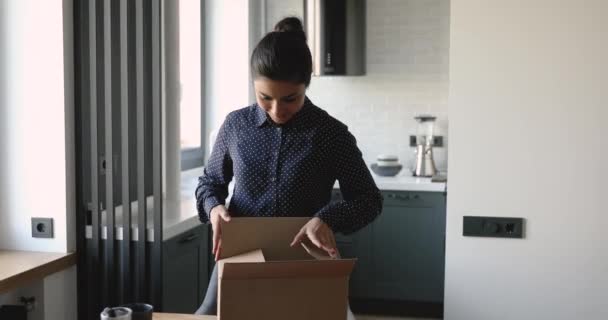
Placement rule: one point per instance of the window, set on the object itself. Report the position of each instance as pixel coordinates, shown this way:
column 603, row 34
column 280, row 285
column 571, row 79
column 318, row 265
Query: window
column 190, row 97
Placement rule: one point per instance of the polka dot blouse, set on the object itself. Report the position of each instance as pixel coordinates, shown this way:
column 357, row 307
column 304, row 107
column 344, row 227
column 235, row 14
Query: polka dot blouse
column 289, row 170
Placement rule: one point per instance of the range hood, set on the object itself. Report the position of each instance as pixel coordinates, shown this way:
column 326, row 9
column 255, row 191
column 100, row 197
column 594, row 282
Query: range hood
column 336, row 36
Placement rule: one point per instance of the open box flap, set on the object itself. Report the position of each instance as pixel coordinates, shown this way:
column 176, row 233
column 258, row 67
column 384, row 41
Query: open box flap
column 272, row 235
column 288, row 269
column 251, row 256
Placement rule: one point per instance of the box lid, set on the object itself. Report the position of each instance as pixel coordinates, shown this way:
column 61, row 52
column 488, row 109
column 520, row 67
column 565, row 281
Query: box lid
column 252, row 256
column 272, row 235
column 300, row 269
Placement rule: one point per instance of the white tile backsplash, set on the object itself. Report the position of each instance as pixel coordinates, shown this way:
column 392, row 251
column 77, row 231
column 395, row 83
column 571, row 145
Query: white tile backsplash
column 407, row 74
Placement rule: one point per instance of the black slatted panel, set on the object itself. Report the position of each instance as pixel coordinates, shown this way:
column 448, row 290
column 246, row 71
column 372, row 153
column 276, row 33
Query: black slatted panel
column 95, row 253
column 83, row 163
column 118, row 65
column 110, row 260
column 80, row 91
column 126, row 274
column 141, row 177
column 157, row 154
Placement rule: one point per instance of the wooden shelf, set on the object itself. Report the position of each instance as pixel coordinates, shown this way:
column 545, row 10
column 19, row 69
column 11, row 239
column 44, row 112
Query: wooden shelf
column 19, row 268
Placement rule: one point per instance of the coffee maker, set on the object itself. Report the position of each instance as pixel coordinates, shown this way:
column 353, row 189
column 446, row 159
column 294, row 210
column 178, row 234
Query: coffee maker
column 425, row 165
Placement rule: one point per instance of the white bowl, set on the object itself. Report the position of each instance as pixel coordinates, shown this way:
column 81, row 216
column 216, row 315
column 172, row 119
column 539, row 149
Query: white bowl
column 387, row 157
column 388, row 163
column 387, row 160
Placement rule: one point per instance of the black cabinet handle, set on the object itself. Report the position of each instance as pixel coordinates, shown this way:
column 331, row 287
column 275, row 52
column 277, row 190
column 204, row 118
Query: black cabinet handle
column 398, row 197
column 403, row 197
column 188, row 238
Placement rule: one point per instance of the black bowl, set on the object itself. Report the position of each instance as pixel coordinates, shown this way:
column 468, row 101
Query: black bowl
column 386, row 171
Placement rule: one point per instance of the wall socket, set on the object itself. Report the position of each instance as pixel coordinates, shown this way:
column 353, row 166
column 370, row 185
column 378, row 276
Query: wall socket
column 42, row 227
column 495, row 227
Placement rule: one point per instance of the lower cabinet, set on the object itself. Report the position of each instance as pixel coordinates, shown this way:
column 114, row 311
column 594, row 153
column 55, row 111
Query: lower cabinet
column 400, row 266
column 401, row 255
column 185, row 270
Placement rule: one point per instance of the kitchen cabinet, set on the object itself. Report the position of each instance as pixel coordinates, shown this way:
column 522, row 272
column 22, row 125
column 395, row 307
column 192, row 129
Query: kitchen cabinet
column 186, row 270
column 400, row 266
column 401, row 255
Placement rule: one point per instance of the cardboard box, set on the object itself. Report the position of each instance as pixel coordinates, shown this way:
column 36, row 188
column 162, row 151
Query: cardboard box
column 262, row 277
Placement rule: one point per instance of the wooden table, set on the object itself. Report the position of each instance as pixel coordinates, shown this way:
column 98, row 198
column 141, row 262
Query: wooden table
column 175, row 316
column 19, row 268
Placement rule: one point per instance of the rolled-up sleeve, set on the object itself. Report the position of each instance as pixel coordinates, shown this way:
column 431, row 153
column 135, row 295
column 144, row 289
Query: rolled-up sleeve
column 212, row 189
column 362, row 201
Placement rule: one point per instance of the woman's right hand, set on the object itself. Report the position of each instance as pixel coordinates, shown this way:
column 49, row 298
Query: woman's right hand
column 219, row 214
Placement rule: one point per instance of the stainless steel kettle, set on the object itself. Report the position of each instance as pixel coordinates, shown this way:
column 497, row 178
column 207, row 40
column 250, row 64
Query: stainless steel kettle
column 425, row 165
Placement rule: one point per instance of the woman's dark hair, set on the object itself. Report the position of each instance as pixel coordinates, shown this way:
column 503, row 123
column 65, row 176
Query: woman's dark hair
column 283, row 54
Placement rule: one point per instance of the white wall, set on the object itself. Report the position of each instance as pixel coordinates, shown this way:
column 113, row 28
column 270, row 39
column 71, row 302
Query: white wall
column 407, row 75
column 37, row 144
column 60, row 302
column 33, row 124
column 528, row 98
column 226, row 59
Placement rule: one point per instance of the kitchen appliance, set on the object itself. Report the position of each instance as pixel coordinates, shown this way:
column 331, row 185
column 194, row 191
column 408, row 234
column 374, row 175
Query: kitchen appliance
column 336, row 36
column 425, row 165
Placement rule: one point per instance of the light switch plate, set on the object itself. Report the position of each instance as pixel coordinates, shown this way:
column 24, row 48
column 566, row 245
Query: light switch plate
column 42, row 227
column 495, row 227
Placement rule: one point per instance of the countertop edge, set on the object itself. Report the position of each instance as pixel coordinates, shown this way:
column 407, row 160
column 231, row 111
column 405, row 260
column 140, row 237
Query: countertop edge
column 37, row 273
column 181, row 227
column 407, row 186
column 429, row 187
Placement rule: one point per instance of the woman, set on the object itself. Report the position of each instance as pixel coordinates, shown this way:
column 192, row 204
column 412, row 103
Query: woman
column 285, row 154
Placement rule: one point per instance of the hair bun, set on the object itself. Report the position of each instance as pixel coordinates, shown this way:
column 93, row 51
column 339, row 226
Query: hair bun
column 292, row 25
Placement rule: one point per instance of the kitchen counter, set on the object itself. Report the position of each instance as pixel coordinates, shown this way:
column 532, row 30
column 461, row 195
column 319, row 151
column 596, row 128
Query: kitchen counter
column 18, row 268
column 181, row 215
column 406, row 182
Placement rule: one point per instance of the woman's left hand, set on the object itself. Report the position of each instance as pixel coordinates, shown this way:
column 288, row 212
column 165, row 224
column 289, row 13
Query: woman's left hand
column 320, row 234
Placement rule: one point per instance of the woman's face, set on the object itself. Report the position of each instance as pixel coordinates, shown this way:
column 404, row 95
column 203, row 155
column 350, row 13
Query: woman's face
column 280, row 99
